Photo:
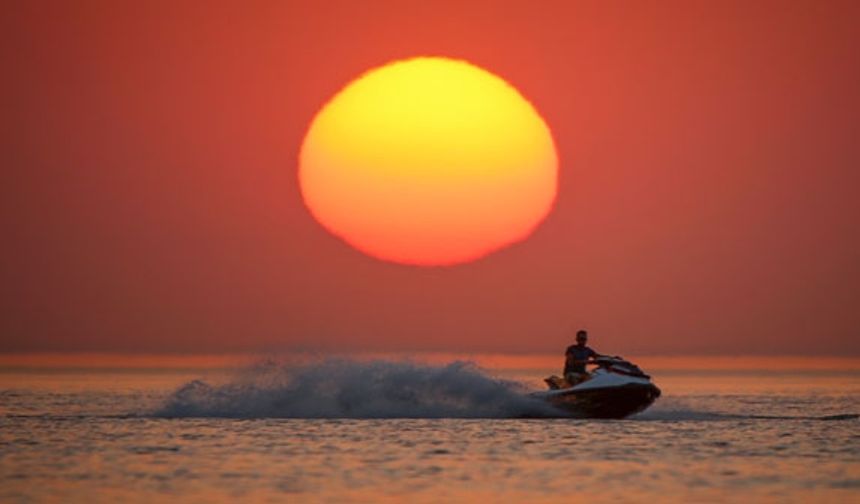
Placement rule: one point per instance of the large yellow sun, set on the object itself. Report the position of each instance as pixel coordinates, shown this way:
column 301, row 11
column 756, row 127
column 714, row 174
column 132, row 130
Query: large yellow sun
column 428, row 161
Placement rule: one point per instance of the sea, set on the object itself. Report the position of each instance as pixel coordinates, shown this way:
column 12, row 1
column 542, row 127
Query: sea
column 443, row 429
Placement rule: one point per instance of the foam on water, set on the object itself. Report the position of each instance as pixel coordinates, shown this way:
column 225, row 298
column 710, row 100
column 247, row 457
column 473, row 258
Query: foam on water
column 349, row 389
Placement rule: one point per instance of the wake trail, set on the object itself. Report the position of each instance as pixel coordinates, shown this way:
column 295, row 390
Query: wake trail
column 349, row 389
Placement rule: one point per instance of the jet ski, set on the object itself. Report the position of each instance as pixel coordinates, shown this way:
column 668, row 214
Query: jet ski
column 616, row 388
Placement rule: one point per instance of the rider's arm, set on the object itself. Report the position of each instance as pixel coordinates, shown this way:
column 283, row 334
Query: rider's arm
column 585, row 361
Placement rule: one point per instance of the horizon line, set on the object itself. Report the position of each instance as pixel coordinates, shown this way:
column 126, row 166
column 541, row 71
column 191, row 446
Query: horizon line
column 12, row 361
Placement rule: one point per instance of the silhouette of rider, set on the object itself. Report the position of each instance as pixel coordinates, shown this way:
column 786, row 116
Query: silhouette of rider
column 576, row 357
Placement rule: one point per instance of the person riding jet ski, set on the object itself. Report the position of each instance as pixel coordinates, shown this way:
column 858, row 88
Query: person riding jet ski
column 615, row 388
column 576, row 357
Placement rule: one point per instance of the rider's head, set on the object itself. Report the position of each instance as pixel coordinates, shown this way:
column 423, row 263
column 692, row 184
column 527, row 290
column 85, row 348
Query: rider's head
column 581, row 336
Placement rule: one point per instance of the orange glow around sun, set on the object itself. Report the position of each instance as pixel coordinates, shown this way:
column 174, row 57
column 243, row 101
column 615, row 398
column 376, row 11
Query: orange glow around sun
column 428, row 161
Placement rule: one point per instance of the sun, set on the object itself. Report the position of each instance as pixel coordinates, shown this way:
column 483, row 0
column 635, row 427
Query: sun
column 428, row 161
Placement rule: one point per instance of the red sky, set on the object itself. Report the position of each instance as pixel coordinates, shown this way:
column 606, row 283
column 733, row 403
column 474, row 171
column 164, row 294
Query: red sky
column 707, row 202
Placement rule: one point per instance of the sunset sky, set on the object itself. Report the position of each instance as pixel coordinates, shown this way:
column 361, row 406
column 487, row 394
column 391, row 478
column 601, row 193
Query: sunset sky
column 707, row 195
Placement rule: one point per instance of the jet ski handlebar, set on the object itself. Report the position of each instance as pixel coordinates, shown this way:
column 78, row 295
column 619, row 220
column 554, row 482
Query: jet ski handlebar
column 607, row 359
column 619, row 365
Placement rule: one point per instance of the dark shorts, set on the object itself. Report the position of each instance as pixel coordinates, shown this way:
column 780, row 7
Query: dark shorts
column 574, row 377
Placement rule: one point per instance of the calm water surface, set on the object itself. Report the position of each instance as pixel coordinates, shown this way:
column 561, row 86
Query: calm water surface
column 150, row 435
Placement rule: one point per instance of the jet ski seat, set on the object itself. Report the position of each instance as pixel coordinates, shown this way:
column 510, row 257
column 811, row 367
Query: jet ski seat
column 557, row 382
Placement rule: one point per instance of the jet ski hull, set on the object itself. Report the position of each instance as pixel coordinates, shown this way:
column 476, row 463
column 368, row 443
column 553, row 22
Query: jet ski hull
column 615, row 389
column 610, row 402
